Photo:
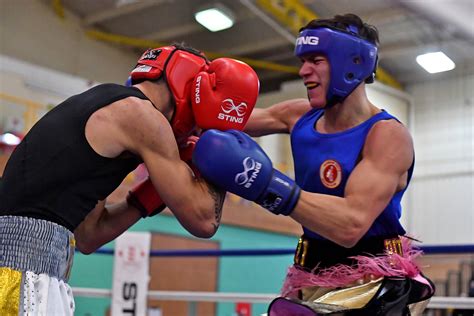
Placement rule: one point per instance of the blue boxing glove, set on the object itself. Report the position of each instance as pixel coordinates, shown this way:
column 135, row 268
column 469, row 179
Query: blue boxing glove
column 235, row 162
column 128, row 83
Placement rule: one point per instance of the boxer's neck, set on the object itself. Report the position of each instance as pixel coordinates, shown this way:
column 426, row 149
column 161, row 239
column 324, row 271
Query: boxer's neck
column 354, row 110
column 159, row 94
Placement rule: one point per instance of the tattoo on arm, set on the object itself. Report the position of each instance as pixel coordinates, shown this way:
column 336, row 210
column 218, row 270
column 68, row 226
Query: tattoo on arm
column 218, row 196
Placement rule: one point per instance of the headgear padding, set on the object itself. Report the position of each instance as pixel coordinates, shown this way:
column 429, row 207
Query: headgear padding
column 351, row 58
column 210, row 95
column 179, row 67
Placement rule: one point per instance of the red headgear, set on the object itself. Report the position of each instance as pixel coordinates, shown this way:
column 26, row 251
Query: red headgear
column 220, row 94
column 179, row 67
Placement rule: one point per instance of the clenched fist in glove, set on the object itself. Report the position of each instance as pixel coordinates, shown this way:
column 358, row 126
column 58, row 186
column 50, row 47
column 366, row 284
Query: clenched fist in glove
column 235, row 162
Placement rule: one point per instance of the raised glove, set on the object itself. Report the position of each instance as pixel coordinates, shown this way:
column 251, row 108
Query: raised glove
column 224, row 95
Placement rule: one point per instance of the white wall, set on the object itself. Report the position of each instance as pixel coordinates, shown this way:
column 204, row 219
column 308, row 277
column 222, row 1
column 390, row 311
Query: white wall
column 46, row 59
column 32, row 32
column 443, row 185
column 23, row 83
column 38, row 83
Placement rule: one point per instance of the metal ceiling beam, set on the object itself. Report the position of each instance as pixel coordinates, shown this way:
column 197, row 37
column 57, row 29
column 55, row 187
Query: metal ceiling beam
column 282, row 56
column 144, row 43
column 457, row 14
column 243, row 49
column 271, row 76
column 269, row 21
column 252, row 47
column 409, row 47
column 123, row 40
column 109, row 13
column 58, row 8
column 385, row 16
column 291, row 13
column 183, row 30
column 174, row 32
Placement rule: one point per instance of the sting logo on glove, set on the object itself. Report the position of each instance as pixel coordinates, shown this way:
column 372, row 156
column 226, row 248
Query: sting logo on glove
column 197, row 89
column 250, row 165
column 221, row 156
column 228, row 107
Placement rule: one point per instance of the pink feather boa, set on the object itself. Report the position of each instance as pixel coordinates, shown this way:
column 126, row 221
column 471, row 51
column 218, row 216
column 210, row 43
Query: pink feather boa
column 373, row 267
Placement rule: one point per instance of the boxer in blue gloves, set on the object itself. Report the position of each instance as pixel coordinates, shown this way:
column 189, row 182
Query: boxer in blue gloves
column 353, row 163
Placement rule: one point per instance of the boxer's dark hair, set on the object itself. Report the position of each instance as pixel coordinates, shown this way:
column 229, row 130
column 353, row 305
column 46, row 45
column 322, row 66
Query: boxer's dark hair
column 342, row 22
column 188, row 48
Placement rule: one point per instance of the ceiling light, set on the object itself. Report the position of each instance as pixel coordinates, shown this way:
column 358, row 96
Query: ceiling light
column 216, row 18
column 435, row 62
column 9, row 139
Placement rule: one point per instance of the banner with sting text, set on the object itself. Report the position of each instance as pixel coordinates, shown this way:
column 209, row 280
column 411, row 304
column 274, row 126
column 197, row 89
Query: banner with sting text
column 131, row 274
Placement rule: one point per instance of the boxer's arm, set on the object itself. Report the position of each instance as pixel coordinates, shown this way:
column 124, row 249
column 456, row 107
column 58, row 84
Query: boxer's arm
column 278, row 118
column 196, row 204
column 139, row 128
column 239, row 165
column 103, row 224
column 387, row 155
column 144, row 196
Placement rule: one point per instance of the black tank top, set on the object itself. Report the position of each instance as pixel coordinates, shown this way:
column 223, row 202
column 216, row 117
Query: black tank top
column 54, row 174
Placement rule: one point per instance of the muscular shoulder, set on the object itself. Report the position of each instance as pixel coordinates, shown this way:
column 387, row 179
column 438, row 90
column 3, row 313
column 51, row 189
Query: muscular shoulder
column 297, row 108
column 385, row 131
column 295, row 104
column 140, row 124
column 389, row 142
column 291, row 109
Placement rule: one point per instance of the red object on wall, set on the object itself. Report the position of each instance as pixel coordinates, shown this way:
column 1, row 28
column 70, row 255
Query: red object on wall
column 243, row 309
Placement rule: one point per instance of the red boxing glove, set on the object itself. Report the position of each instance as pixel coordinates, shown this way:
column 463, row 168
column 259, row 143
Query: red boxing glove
column 186, row 149
column 224, row 95
column 145, row 198
column 186, row 153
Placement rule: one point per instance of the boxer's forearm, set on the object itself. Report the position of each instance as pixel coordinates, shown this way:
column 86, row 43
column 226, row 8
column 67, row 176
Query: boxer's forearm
column 103, row 224
column 202, row 217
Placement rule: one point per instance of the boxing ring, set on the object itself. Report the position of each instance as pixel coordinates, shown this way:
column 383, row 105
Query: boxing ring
column 193, row 297
column 437, row 302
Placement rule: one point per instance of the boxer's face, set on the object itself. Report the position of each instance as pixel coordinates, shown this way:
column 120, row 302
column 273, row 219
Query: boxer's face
column 315, row 73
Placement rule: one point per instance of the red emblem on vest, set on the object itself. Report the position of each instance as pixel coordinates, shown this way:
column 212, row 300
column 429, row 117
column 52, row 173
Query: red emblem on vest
column 330, row 173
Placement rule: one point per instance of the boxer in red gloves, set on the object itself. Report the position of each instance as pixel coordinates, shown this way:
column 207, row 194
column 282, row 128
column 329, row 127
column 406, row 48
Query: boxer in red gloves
column 56, row 181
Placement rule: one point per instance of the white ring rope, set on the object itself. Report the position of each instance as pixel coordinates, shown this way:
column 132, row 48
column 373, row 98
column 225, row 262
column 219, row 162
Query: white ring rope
column 436, row 302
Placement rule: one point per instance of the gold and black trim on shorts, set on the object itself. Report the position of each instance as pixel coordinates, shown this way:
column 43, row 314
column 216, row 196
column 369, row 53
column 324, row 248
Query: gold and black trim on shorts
column 316, row 253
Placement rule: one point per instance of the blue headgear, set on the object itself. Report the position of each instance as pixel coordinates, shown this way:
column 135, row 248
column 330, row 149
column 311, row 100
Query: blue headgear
column 351, row 58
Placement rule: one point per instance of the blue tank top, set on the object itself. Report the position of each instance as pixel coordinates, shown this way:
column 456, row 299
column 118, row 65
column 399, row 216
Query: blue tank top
column 323, row 163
